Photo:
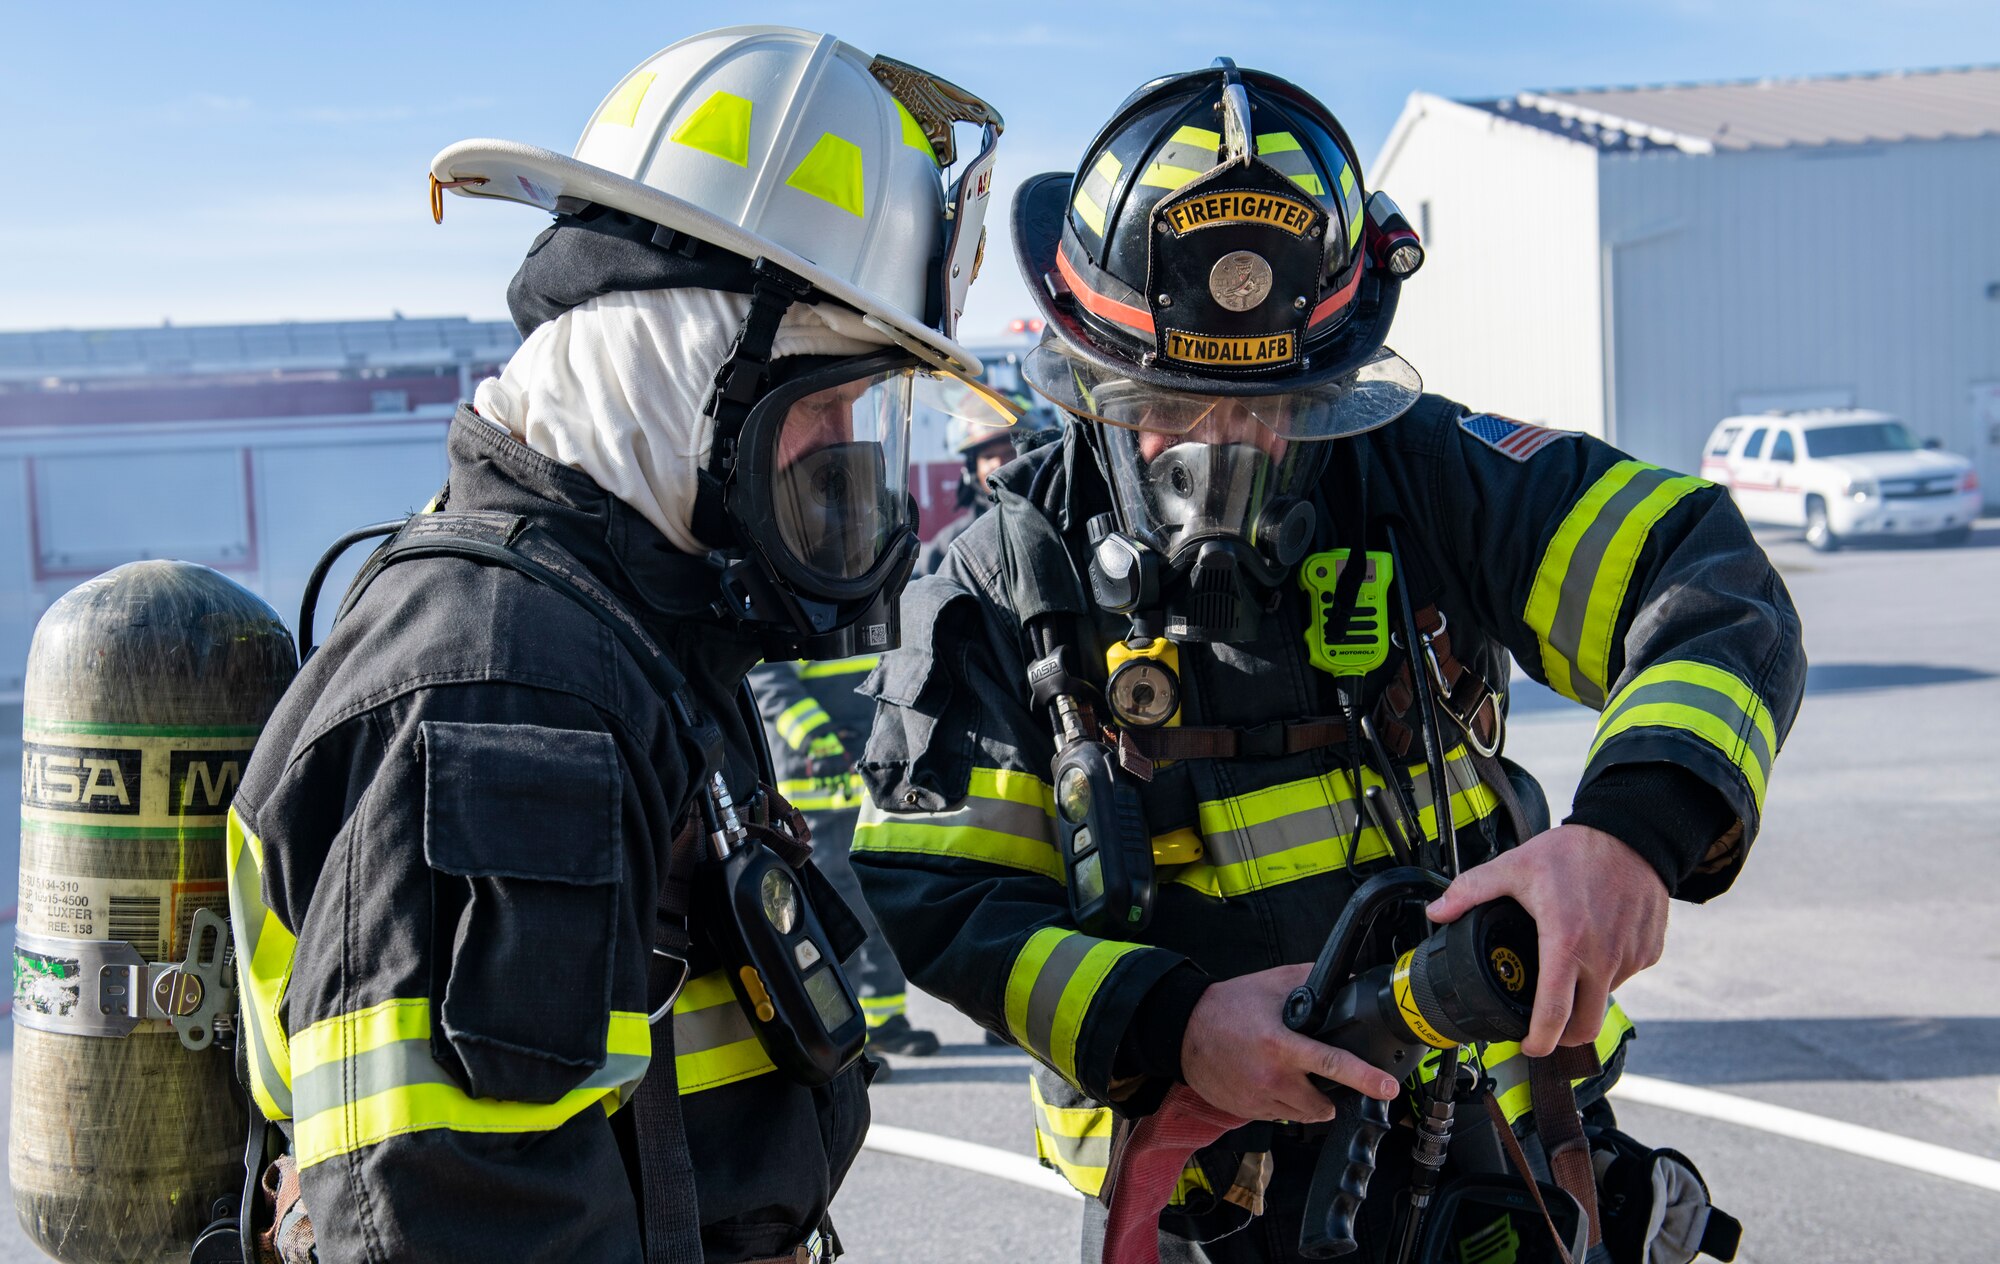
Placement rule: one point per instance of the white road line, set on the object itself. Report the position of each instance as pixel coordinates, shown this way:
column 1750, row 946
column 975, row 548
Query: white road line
column 986, row 1160
column 1833, row 1134
column 1884, row 1147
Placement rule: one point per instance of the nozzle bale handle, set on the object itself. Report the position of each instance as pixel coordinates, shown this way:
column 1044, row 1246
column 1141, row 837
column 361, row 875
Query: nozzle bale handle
column 1346, row 1165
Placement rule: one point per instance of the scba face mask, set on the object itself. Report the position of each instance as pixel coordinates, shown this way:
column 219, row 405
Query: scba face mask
column 1209, row 521
column 820, row 495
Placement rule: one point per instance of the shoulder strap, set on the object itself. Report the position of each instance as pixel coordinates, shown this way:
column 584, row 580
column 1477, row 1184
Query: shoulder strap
column 671, row 1217
column 507, row 540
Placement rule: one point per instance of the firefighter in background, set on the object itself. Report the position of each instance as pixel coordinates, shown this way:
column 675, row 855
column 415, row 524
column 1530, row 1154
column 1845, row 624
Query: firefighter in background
column 463, row 849
column 1258, row 549
column 984, row 449
column 816, row 724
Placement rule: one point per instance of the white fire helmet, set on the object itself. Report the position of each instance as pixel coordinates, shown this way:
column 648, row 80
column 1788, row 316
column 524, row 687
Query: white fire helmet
column 787, row 145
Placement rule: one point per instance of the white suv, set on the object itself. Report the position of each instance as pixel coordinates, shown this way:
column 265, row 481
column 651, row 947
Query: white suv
column 1840, row 474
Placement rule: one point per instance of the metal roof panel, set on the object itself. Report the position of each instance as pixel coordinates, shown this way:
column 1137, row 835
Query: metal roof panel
column 1959, row 103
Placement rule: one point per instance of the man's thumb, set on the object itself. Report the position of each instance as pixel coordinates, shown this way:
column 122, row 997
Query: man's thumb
column 1471, row 888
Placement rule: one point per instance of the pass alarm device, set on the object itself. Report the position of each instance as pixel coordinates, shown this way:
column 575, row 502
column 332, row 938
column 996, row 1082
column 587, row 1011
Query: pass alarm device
column 779, row 961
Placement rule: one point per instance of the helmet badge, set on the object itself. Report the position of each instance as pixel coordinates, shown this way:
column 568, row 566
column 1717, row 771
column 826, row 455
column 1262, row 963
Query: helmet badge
column 1239, row 280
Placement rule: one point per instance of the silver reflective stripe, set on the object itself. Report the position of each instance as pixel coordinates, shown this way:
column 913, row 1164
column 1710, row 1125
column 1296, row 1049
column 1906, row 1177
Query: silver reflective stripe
column 1000, row 815
column 1580, row 579
column 711, row 1028
column 409, row 1062
column 1699, row 698
column 1045, row 1000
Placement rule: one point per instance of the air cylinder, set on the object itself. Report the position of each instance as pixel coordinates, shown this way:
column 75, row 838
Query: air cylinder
column 146, row 689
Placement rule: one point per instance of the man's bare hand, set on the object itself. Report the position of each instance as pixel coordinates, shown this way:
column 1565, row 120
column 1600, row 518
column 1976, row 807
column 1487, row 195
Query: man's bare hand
column 1239, row 1055
column 1601, row 913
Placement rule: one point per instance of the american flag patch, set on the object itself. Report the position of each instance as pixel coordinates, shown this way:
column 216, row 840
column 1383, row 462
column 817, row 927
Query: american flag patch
column 1516, row 439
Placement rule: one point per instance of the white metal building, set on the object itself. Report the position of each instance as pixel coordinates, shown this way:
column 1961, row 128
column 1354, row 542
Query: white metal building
column 1641, row 262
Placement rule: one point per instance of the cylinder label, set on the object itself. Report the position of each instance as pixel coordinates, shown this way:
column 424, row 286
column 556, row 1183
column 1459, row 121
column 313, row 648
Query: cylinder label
column 145, row 777
column 152, row 914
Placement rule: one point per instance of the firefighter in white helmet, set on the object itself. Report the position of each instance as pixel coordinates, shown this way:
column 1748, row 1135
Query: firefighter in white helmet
column 483, row 989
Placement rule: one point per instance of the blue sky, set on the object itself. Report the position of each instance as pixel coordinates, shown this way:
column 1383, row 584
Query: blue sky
column 209, row 162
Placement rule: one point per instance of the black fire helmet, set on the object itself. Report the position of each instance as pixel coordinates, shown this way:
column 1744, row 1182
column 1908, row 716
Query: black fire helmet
column 1216, row 239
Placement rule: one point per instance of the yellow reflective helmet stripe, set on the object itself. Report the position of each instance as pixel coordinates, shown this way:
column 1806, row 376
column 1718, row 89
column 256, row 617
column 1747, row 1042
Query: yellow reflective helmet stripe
column 1702, row 699
column 1088, row 207
column 831, row 172
column 1007, row 818
column 1580, row 586
column 1269, row 143
column 1350, row 196
column 800, row 720
column 1200, row 137
column 1050, row 988
column 1094, row 190
column 1310, row 183
column 264, row 950
column 1162, row 175
column 913, row 133
column 719, row 126
column 623, row 106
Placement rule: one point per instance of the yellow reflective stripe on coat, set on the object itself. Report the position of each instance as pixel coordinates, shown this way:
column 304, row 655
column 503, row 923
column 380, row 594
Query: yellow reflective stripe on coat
column 1076, row 1142
column 1580, row 585
column 1300, row 829
column 824, row 794
column 264, row 950
column 1510, row 1071
column 364, row 1077
column 1705, row 700
column 1007, row 818
column 840, row 666
column 798, row 721
column 714, row 1043
column 1050, row 989
column 876, row 1010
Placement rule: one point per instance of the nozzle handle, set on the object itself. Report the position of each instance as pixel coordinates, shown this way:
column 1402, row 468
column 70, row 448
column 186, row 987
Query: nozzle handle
column 1346, row 1165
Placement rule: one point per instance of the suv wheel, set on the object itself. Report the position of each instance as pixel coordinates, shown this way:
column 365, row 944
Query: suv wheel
column 1819, row 531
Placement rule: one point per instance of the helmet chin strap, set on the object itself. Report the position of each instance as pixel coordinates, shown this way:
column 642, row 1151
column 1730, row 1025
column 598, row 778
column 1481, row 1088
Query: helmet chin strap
column 739, row 380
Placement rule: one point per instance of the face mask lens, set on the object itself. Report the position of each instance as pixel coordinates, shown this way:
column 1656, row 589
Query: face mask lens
column 840, row 473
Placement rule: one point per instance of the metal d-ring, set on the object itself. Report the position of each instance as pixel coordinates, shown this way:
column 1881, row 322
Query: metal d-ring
column 667, row 1005
column 1494, row 697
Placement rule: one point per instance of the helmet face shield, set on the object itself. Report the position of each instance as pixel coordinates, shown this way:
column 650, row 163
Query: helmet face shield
column 829, row 491
column 1381, row 390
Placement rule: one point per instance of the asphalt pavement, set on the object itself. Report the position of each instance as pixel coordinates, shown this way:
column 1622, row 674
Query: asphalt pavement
column 1852, row 973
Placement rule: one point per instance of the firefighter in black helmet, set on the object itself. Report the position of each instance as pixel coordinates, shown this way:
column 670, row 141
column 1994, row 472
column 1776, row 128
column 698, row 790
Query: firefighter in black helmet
column 1286, row 587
